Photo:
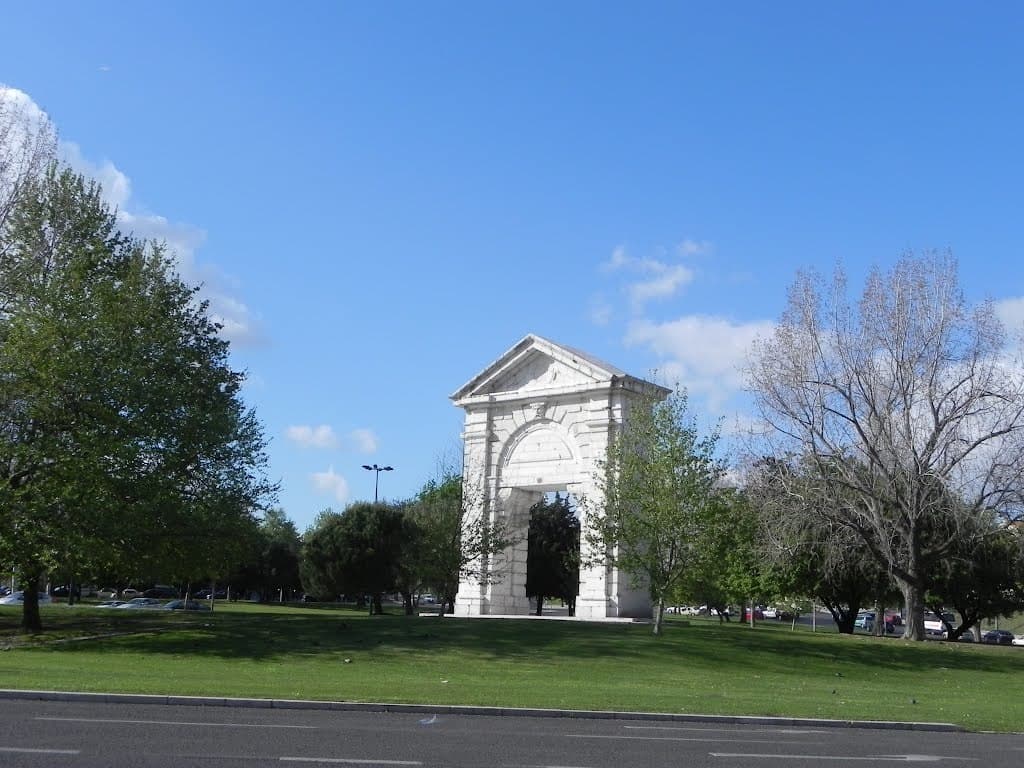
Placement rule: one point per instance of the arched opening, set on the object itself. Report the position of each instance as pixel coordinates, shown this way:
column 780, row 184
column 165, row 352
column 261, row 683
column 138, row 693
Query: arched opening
column 553, row 554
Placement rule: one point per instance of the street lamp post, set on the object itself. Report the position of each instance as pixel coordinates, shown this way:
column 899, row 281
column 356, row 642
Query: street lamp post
column 376, row 479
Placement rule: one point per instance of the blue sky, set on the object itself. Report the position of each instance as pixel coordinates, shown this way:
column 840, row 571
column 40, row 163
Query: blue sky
column 381, row 198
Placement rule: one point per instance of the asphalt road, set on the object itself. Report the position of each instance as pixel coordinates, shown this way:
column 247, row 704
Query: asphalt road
column 57, row 734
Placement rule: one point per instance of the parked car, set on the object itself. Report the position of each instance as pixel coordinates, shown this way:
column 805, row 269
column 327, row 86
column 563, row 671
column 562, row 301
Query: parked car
column 935, row 627
column 1018, row 640
column 142, row 602
column 966, row 637
column 129, row 592
column 771, row 612
column 758, row 614
column 998, row 637
column 866, row 620
column 18, row 598
column 106, row 593
column 109, row 603
column 185, row 605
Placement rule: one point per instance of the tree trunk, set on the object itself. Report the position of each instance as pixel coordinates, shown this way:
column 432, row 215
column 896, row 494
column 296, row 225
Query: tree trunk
column 659, row 612
column 913, row 598
column 540, row 605
column 844, row 624
column 407, row 602
column 30, row 619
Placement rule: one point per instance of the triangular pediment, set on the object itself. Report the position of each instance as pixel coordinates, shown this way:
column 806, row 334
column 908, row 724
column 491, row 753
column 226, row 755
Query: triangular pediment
column 536, row 364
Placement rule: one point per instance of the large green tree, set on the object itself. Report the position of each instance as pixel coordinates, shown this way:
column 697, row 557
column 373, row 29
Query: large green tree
column 358, row 552
column 124, row 442
column 728, row 568
column 553, row 552
column 454, row 543
column 982, row 578
column 660, row 486
column 271, row 567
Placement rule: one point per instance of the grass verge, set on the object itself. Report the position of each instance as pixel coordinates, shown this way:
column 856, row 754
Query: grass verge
column 702, row 667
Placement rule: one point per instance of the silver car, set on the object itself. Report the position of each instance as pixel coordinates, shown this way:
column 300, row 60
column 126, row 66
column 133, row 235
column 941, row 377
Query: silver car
column 141, row 602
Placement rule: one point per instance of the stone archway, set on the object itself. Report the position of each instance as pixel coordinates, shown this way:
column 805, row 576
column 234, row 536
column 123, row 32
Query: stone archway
column 539, row 419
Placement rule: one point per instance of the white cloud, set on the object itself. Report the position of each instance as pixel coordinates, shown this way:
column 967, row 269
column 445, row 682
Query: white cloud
column 17, row 101
column 321, row 436
column 703, row 354
column 117, row 187
column 331, row 482
column 693, row 247
column 619, row 259
column 660, row 279
column 668, row 281
column 1011, row 313
column 365, row 440
column 27, row 139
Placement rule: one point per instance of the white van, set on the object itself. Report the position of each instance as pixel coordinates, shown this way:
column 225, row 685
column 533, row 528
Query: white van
column 933, row 626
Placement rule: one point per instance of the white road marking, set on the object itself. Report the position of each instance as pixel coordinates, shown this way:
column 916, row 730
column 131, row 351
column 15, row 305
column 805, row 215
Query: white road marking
column 28, row 750
column 730, row 729
column 348, row 761
column 169, row 722
column 683, row 738
column 874, row 758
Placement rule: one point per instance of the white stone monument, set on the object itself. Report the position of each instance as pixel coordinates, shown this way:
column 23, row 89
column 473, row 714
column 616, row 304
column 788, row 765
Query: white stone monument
column 538, row 419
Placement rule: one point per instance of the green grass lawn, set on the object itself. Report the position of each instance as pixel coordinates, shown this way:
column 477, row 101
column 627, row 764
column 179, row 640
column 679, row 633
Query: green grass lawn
column 695, row 667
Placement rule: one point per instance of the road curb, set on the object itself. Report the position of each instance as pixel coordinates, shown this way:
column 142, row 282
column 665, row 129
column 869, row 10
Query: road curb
column 454, row 709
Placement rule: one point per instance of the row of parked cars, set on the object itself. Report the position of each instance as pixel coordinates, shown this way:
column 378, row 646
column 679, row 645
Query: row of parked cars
column 154, row 603
column 991, row 637
column 935, row 627
column 866, row 620
column 18, row 598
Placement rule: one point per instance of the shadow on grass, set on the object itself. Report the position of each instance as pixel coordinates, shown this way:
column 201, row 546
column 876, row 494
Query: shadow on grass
column 261, row 633
column 789, row 652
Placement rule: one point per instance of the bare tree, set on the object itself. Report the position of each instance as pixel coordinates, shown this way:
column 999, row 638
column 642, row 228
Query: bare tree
column 908, row 405
column 27, row 144
column 813, row 553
